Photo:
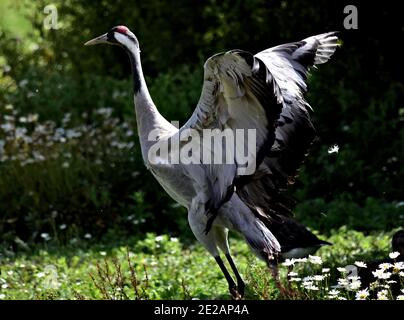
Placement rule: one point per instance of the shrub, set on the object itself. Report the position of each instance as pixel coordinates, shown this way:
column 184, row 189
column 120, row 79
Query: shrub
column 68, row 180
column 374, row 215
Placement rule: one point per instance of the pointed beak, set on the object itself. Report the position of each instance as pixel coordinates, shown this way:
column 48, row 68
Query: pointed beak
column 98, row 40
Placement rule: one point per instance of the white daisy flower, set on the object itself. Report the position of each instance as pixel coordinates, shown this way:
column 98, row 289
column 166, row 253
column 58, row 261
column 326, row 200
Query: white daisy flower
column 312, row 287
column 382, row 295
column 308, row 279
column 380, row 274
column 333, row 149
column 315, row 259
column 318, row 278
column 333, row 292
column 288, row 262
column 362, row 294
column 293, row 274
column 400, row 297
column 325, row 270
column 343, row 282
column 45, row 236
column 374, row 285
column 398, row 266
column 394, row 255
column 354, row 285
column 360, row 264
column 295, row 279
column 385, row 266
column 309, row 285
column 342, row 270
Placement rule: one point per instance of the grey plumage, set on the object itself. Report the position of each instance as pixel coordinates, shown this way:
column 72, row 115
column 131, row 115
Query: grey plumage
column 240, row 91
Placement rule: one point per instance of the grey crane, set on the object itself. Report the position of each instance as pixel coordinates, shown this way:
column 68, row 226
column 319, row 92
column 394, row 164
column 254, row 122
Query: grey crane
column 264, row 92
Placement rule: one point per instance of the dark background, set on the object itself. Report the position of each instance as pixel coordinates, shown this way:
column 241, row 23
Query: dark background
column 357, row 99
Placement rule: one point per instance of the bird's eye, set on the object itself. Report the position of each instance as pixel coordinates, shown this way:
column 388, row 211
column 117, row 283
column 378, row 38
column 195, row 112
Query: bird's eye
column 110, row 36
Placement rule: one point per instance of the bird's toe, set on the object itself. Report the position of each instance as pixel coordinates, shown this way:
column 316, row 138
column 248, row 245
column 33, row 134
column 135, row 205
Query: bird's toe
column 235, row 294
column 240, row 289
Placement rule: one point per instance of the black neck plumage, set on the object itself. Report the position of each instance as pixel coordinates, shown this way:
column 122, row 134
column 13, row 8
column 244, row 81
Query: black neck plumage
column 136, row 70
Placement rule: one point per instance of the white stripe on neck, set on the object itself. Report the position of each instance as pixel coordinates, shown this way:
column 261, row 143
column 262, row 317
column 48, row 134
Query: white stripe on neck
column 126, row 41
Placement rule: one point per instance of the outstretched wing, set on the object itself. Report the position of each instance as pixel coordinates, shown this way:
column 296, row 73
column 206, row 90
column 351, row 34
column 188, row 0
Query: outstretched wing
column 289, row 64
column 262, row 92
column 239, row 92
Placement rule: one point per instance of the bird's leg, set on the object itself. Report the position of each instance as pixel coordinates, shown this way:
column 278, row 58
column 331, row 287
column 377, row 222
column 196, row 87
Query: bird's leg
column 275, row 274
column 273, row 266
column 232, row 285
column 290, row 269
column 240, row 282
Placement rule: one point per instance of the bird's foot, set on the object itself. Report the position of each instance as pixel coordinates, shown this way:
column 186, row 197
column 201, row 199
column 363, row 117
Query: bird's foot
column 240, row 289
column 236, row 294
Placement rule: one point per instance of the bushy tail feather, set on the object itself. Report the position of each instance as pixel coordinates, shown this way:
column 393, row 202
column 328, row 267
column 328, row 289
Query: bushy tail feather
column 263, row 242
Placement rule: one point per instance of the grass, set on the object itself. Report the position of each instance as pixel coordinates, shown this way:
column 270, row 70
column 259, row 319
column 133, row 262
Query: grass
column 160, row 267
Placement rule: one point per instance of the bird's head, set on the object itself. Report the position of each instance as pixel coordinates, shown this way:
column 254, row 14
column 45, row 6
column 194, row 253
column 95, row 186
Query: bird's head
column 119, row 35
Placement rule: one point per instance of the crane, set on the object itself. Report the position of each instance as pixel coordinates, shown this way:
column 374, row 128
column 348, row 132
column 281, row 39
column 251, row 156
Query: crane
column 242, row 92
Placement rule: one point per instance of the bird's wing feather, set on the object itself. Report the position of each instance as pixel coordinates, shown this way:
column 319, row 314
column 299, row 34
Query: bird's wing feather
column 262, row 92
column 289, row 64
column 238, row 93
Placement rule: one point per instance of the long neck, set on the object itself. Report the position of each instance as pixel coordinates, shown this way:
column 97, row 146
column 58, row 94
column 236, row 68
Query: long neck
column 147, row 116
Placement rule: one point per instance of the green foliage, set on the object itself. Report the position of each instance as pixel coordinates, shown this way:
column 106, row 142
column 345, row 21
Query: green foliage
column 162, row 267
column 370, row 135
column 186, row 83
column 374, row 215
column 52, row 94
column 61, row 182
column 71, row 173
column 171, row 271
column 106, row 191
